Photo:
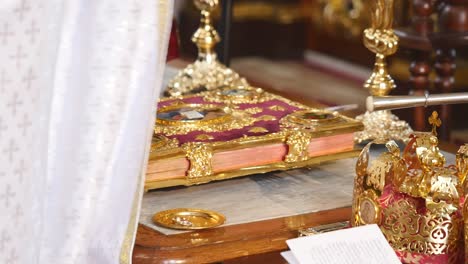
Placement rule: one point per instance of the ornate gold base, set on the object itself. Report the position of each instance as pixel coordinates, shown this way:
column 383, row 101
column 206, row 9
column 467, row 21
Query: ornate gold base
column 382, row 125
column 204, row 75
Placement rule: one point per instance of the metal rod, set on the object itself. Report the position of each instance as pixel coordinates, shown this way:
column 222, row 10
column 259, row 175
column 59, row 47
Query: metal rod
column 375, row 103
column 224, row 30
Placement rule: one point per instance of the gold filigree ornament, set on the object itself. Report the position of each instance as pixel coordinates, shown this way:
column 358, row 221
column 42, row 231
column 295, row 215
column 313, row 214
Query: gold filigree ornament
column 309, row 119
column 239, row 95
column 206, row 73
column 180, row 119
column 298, row 143
column 418, row 195
column 381, row 40
column 435, row 232
column 199, row 155
column 372, row 174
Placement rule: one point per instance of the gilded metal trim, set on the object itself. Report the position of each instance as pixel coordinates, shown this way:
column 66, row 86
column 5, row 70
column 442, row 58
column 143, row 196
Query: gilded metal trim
column 226, row 119
column 294, row 133
column 199, row 155
column 239, row 95
column 298, row 141
column 149, row 185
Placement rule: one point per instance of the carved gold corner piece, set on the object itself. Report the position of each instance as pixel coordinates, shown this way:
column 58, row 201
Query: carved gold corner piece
column 298, row 142
column 200, row 156
column 258, row 130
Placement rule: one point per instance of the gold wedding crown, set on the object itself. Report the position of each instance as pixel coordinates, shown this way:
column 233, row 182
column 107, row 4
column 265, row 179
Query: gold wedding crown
column 414, row 196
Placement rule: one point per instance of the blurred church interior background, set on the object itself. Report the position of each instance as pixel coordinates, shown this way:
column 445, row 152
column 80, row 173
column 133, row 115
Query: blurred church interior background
column 312, row 51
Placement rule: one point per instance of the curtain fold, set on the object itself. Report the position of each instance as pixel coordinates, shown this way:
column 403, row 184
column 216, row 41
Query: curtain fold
column 78, row 85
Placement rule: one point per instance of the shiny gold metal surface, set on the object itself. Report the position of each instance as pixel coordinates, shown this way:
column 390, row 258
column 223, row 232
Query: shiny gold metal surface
column 238, row 95
column 278, row 166
column 206, row 73
column 181, row 119
column 435, row 121
column 381, row 40
column 199, row 155
column 382, row 125
column 309, row 119
column 188, row 219
column 462, row 165
column 413, row 196
column 295, row 131
column 298, row 142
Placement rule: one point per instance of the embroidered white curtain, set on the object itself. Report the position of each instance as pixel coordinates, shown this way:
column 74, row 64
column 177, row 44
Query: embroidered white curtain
column 78, row 85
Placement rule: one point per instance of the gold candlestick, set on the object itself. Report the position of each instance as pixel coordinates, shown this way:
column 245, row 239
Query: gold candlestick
column 206, row 73
column 381, row 40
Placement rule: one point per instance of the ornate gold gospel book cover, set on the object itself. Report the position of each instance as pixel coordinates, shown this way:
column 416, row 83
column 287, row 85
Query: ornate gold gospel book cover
column 229, row 132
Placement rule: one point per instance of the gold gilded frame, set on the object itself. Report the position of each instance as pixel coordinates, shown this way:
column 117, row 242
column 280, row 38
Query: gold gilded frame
column 233, row 119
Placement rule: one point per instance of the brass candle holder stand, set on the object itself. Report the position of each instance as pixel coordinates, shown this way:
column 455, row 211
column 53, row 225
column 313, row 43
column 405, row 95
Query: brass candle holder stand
column 206, row 73
column 381, row 40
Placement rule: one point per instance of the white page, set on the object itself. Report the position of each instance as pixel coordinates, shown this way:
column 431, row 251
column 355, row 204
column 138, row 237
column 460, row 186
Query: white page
column 362, row 245
column 289, row 257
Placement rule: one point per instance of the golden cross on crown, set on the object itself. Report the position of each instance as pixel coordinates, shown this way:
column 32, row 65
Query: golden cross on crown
column 435, row 121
